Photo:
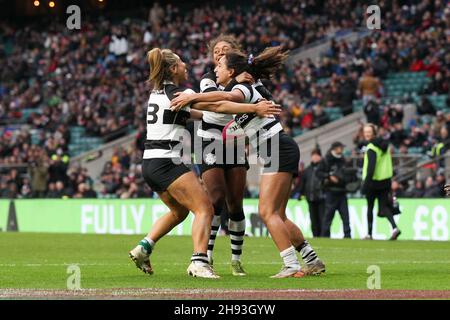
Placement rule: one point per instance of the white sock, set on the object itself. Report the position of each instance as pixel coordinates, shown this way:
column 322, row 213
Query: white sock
column 150, row 241
column 290, row 258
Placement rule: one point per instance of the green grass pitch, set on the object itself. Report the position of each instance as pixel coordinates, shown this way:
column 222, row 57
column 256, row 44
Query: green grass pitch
column 39, row 261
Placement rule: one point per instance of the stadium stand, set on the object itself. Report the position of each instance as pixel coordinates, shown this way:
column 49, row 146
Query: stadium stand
column 64, row 93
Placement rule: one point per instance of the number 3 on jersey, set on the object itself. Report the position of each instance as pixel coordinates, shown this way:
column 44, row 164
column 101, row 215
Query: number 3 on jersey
column 152, row 111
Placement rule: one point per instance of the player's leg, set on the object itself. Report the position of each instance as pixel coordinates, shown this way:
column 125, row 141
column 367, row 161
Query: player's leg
column 236, row 178
column 271, row 197
column 313, row 265
column 214, row 182
column 177, row 213
column 187, row 191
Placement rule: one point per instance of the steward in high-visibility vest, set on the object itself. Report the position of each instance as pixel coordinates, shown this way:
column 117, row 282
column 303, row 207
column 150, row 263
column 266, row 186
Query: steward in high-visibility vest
column 377, row 163
column 377, row 176
column 438, row 149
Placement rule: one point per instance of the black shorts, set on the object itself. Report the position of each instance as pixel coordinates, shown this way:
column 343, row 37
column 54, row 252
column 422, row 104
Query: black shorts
column 232, row 155
column 159, row 173
column 282, row 155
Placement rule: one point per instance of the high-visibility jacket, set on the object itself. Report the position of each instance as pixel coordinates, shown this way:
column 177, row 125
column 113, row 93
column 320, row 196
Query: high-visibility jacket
column 383, row 166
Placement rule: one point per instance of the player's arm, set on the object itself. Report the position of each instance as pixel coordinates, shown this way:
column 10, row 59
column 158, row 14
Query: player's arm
column 196, row 114
column 263, row 108
column 183, row 99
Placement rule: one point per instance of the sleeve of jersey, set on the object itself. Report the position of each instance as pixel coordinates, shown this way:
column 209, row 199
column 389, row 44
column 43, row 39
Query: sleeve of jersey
column 246, row 91
column 207, row 85
column 259, row 86
column 171, row 90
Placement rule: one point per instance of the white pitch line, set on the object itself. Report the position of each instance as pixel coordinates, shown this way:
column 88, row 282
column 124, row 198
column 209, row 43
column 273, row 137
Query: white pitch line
column 216, row 263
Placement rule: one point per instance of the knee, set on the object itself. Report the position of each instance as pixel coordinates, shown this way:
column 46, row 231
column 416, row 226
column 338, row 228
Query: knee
column 217, row 196
column 234, row 200
column 265, row 213
column 179, row 215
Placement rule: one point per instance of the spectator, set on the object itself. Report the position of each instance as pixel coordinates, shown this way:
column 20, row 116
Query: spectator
column 398, row 136
column 441, row 146
column 395, row 114
column 432, row 189
column 39, row 177
column 88, row 192
column 439, row 84
column 369, row 86
column 320, row 118
column 426, row 107
column 61, row 191
column 10, row 191
column 25, row 190
column 417, row 191
column 372, row 112
column 311, row 188
column 397, row 189
column 58, row 169
column 51, row 191
column 347, row 93
column 331, row 173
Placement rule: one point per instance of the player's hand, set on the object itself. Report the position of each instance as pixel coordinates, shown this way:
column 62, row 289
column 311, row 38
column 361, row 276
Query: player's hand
column 334, row 179
column 267, row 109
column 245, row 77
column 447, row 189
column 181, row 100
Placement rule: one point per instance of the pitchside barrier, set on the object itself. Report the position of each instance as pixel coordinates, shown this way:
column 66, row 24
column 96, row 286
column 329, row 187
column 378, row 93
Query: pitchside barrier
column 421, row 219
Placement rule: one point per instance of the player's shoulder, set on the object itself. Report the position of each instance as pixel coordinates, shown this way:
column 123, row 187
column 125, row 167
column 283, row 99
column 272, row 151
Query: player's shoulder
column 211, row 75
column 171, row 89
column 208, row 82
column 244, row 87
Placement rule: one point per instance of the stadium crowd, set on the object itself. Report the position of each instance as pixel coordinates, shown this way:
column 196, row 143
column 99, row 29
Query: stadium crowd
column 96, row 78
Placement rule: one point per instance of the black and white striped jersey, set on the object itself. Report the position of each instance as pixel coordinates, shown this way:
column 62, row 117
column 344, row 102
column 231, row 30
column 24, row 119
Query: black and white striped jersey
column 212, row 120
column 164, row 127
column 254, row 126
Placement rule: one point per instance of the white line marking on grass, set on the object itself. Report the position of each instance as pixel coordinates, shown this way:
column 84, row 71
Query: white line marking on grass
column 216, row 263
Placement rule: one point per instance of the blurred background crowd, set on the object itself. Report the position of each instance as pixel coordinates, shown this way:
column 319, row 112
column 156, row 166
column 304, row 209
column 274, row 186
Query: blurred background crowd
column 54, row 79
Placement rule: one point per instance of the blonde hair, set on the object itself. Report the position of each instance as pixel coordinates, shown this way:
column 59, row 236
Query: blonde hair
column 160, row 61
column 374, row 128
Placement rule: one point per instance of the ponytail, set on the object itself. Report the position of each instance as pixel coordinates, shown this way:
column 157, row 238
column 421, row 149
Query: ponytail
column 160, row 62
column 264, row 66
